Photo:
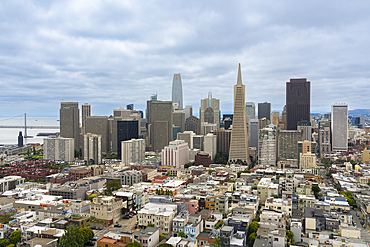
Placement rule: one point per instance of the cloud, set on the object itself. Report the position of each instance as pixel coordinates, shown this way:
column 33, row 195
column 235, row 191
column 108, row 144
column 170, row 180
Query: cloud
column 112, row 53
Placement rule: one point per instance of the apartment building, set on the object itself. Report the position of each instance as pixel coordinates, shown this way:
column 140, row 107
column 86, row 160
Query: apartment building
column 106, row 208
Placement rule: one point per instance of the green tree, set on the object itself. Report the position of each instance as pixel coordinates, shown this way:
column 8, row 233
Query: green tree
column 91, row 197
column 133, row 244
column 251, row 239
column 216, row 242
column 150, row 225
column 253, row 227
column 72, row 237
column 28, row 152
column 231, row 181
column 162, row 236
column 221, row 158
column 316, row 190
column 87, row 233
column 219, row 224
column 4, row 242
column 188, row 165
column 5, row 217
column 34, row 150
column 290, row 238
column 111, row 186
column 10, row 245
column 15, row 237
column 181, row 234
column 164, row 245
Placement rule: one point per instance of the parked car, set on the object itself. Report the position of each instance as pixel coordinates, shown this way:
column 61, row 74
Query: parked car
column 117, row 225
column 94, row 239
column 99, row 228
column 130, row 216
column 126, row 217
column 90, row 243
column 93, row 227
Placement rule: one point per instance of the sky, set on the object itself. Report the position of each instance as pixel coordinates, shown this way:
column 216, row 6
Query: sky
column 113, row 53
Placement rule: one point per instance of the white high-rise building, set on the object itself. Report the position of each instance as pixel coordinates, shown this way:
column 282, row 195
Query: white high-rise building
column 210, row 145
column 59, row 149
column 267, row 147
column 339, row 127
column 132, row 151
column 176, row 154
column 92, row 148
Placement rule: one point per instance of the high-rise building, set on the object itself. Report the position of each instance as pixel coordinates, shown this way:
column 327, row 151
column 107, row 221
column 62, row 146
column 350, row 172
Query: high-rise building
column 213, row 114
column 99, row 125
column 264, row 110
column 267, row 146
column 133, row 151
column 306, row 128
column 307, row 148
column 339, row 127
column 128, row 114
column 69, row 116
column 275, row 115
column 188, row 111
column 176, row 154
column 239, row 149
column 187, row 136
column 253, row 131
column 324, row 139
column 130, row 107
column 210, row 145
column 92, row 148
column 288, row 145
column 179, row 119
column 250, row 111
column 297, row 102
column 192, row 123
column 86, row 112
column 207, row 127
column 177, row 90
column 198, row 141
column 161, row 121
column 126, row 130
column 223, row 140
column 59, row 149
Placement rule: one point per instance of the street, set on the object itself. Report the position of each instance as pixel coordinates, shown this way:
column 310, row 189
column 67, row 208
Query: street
column 365, row 232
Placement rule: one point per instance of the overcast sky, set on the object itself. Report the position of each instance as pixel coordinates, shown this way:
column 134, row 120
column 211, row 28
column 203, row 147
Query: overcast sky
column 112, row 53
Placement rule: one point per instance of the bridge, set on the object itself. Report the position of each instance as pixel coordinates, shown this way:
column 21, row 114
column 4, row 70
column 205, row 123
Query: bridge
column 28, row 127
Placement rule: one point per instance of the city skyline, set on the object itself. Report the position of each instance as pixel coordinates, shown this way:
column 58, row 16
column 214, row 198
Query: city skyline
column 88, row 53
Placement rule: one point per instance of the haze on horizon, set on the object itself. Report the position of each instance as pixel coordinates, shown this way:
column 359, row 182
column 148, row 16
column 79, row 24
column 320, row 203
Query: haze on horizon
column 110, row 54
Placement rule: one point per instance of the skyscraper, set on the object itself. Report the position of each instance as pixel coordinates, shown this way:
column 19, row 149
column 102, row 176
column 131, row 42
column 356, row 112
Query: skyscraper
column 69, row 116
column 297, row 102
column 86, row 112
column 177, row 90
column 161, row 121
column 250, row 111
column 339, row 127
column 126, row 130
column 239, row 149
column 264, row 110
column 212, row 114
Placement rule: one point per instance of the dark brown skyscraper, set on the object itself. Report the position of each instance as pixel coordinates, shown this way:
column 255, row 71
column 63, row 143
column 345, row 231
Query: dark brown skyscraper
column 297, row 102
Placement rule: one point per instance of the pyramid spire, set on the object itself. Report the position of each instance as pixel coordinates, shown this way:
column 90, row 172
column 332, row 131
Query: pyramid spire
column 239, row 82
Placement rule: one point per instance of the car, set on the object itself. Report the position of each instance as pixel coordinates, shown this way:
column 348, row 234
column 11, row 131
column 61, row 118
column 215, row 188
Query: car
column 92, row 227
column 117, row 225
column 364, row 226
column 130, row 216
column 90, row 243
column 99, row 228
column 126, row 217
column 94, row 239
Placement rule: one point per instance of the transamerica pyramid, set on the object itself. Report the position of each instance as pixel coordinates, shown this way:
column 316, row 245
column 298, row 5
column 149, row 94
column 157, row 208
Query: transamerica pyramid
column 239, row 149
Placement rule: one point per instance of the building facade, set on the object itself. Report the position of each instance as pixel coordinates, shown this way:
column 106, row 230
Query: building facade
column 59, row 149
column 176, row 154
column 250, row 111
column 133, row 151
column 298, row 92
column 177, row 90
column 339, row 127
column 92, row 148
column 264, row 110
column 69, row 116
column 161, row 121
column 86, row 112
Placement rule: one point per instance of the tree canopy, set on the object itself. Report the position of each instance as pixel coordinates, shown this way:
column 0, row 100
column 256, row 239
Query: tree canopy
column 133, row 244
column 111, row 186
column 181, row 234
column 15, row 237
column 72, row 237
column 87, row 233
column 4, row 242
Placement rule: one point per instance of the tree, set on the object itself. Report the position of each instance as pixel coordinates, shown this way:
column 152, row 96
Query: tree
column 251, row 239
column 164, row 245
column 150, row 225
column 231, row 181
column 253, row 227
column 4, row 242
column 28, row 152
column 72, row 237
column 34, row 150
column 87, row 234
column 10, row 245
column 221, row 158
column 111, row 186
column 162, row 236
column 316, row 190
column 188, row 165
column 5, row 217
column 134, row 244
column 219, row 224
column 15, row 237
column 290, row 237
column 91, row 197
column 181, row 234
column 216, row 242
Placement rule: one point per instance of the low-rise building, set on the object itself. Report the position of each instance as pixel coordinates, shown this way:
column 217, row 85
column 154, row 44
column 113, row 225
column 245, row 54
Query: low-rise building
column 149, row 237
column 106, row 208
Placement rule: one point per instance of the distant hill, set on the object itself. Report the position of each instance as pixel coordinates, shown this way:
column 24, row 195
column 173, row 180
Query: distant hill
column 358, row 112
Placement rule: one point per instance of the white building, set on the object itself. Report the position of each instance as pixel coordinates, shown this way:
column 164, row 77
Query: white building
column 92, row 148
column 176, row 154
column 207, row 127
column 307, row 161
column 59, row 149
column 267, row 147
column 339, row 127
column 10, row 182
column 133, row 151
column 210, row 145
